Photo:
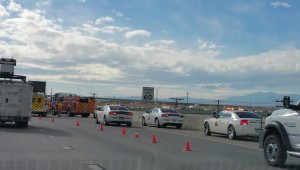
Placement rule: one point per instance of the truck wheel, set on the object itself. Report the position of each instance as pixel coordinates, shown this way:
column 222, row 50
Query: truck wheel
column 69, row 113
column 274, row 151
column 85, row 115
column 44, row 114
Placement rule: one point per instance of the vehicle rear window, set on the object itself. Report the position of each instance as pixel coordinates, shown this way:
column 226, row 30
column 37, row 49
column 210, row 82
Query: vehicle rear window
column 169, row 111
column 118, row 108
column 248, row 115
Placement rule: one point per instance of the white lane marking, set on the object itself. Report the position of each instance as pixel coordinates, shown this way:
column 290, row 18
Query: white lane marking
column 51, row 137
column 94, row 167
column 67, row 148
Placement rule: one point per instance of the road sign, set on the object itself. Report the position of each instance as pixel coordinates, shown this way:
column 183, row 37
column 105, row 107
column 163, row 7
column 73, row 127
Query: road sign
column 148, row 94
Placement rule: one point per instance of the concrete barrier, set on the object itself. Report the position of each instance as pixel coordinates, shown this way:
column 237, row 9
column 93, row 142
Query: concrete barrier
column 191, row 121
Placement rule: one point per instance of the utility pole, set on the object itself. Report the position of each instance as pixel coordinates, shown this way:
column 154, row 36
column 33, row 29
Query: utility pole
column 218, row 105
column 176, row 101
column 187, row 98
column 94, row 94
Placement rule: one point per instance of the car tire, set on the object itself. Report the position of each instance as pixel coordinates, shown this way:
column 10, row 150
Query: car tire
column 85, row 115
column 157, row 123
column 144, row 121
column 206, row 129
column 231, row 133
column 105, row 121
column 97, row 121
column 178, row 126
column 274, row 151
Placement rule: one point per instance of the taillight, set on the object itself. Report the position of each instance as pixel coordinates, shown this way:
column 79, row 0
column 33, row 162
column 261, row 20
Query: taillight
column 164, row 115
column 129, row 114
column 244, row 122
column 112, row 113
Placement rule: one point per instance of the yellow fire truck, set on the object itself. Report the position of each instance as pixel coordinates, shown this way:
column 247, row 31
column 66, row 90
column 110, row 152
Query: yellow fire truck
column 40, row 104
column 39, row 98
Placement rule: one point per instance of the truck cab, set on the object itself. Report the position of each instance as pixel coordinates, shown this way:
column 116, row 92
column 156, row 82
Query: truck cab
column 281, row 135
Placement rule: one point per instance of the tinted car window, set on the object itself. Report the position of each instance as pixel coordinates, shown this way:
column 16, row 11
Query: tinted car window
column 248, row 115
column 118, row 108
column 169, row 111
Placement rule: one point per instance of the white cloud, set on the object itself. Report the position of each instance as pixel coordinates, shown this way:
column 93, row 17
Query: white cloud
column 60, row 20
column 203, row 45
column 44, row 3
column 3, row 12
column 14, row 7
column 82, row 1
column 280, row 4
column 135, row 33
column 104, row 19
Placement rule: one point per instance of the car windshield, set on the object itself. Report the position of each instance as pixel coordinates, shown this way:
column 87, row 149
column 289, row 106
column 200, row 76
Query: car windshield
column 248, row 115
column 169, row 111
column 123, row 108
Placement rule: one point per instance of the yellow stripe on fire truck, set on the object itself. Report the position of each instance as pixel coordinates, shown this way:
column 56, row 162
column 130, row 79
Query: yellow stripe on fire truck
column 38, row 102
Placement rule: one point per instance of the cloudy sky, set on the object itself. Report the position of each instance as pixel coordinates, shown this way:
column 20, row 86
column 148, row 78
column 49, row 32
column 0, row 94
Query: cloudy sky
column 209, row 48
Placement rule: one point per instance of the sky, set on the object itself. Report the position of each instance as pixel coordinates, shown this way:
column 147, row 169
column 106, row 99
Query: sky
column 207, row 48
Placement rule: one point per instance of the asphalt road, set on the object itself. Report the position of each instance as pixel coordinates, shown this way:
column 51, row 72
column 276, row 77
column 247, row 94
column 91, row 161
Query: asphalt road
column 61, row 145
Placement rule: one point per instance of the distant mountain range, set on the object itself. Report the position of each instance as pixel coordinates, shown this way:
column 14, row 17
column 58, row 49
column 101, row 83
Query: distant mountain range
column 254, row 99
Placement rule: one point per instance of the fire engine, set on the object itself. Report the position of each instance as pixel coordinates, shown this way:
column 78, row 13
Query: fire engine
column 73, row 105
column 39, row 98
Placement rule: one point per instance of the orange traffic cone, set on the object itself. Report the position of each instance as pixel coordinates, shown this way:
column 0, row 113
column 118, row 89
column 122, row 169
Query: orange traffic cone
column 136, row 134
column 52, row 119
column 101, row 128
column 153, row 139
column 187, row 146
column 77, row 123
column 40, row 117
column 123, row 131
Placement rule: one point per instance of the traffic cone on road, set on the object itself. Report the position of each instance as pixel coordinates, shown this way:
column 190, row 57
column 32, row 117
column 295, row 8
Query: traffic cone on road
column 136, row 134
column 123, row 131
column 187, row 146
column 52, row 119
column 40, row 117
column 153, row 139
column 101, row 128
column 77, row 123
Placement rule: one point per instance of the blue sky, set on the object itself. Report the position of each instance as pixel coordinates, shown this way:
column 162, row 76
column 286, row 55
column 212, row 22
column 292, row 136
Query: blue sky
column 211, row 49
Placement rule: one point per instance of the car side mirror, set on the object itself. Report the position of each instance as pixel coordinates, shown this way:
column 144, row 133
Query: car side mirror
column 148, row 111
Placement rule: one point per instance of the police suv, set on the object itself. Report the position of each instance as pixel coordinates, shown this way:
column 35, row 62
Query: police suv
column 281, row 135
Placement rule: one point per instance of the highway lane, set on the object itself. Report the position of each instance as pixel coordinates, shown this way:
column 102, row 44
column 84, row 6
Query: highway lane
column 63, row 145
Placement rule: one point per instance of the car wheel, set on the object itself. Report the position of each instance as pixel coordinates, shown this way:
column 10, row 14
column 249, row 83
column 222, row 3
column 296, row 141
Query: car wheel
column 231, row 132
column 105, row 121
column 207, row 129
column 144, row 121
column 157, row 123
column 97, row 121
column 274, row 151
column 178, row 126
